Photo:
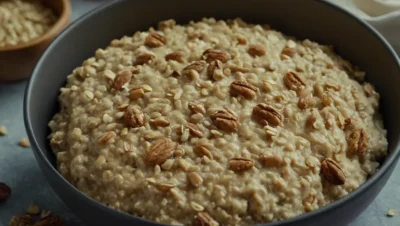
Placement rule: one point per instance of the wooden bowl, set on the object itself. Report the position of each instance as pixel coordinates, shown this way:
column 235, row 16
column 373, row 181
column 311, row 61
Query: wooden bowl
column 17, row 61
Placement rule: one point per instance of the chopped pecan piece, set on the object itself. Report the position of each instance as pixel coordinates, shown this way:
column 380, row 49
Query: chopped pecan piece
column 177, row 56
column 213, row 54
column 144, row 58
column 214, row 65
column 332, row 172
column 242, row 88
column 306, row 101
column 197, row 108
column 194, row 130
column 358, row 141
column 203, row 151
column 133, row 117
column 155, row 40
column 121, row 79
column 294, row 81
column 267, row 115
column 198, row 66
column 257, row 50
column 159, row 151
column 226, row 120
column 241, row 164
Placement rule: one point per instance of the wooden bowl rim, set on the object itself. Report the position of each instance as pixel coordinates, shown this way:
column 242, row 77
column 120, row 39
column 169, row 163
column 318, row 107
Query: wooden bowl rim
column 62, row 20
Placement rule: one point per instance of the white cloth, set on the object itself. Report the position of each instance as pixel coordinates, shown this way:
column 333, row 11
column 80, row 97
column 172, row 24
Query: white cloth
column 384, row 15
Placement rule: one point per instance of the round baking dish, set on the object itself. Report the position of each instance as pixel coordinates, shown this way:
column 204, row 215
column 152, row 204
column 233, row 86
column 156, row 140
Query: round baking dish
column 316, row 20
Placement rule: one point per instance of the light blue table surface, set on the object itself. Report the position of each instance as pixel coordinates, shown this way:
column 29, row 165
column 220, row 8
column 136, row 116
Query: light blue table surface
column 19, row 168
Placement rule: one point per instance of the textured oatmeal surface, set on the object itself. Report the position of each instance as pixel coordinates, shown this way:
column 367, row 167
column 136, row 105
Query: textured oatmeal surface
column 217, row 123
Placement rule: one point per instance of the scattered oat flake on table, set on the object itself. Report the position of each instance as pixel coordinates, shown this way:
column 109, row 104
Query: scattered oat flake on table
column 3, row 131
column 391, row 212
column 24, row 142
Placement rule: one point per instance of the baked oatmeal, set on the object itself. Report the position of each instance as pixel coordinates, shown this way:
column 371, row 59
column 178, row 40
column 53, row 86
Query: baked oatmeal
column 217, row 123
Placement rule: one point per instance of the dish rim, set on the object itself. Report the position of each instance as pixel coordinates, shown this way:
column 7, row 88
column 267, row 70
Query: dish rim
column 386, row 166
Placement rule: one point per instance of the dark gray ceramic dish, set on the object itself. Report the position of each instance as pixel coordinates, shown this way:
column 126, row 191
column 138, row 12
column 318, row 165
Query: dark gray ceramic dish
column 317, row 20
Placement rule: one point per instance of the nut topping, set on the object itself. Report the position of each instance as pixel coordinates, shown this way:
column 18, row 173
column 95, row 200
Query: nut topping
column 245, row 89
column 358, row 141
column 159, row 185
column 267, row 115
column 155, row 40
column 294, row 81
column 121, row 79
column 204, row 219
column 240, row 164
column 198, row 66
column 287, row 53
column 159, row 151
column 332, row 172
column 226, row 120
column 257, row 50
column 197, row 108
column 213, row 54
column 306, row 101
column 194, row 130
column 144, row 58
column 270, row 160
column 203, row 151
column 214, row 65
column 133, row 117
column 177, row 56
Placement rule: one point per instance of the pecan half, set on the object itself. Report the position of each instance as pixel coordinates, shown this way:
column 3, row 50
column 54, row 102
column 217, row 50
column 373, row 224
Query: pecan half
column 194, row 130
column 242, row 88
column 50, row 221
column 332, row 172
column 267, row 115
column 213, row 54
column 257, row 50
column 204, row 219
column 177, row 56
column 294, row 81
column 159, row 151
column 133, row 117
column 197, row 108
column 240, row 164
column 198, row 66
column 5, row 191
column 225, row 120
column 121, row 79
column 144, row 58
column 358, row 141
column 214, row 65
column 155, row 40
